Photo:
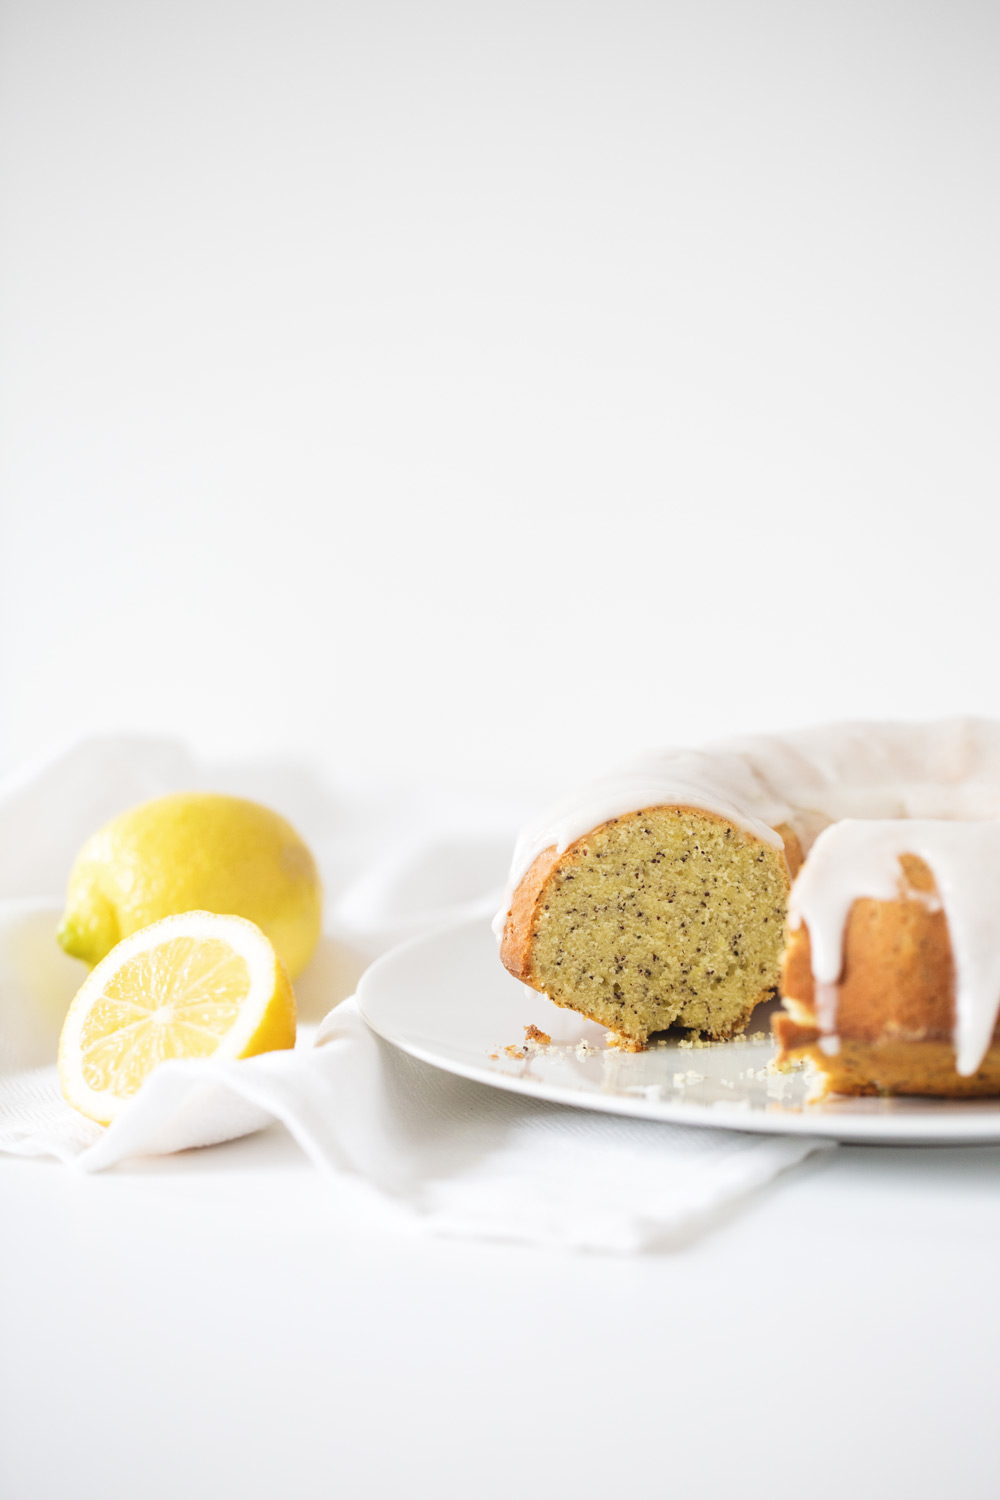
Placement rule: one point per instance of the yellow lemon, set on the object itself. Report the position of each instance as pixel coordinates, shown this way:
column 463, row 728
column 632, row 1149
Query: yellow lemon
column 195, row 985
column 196, row 851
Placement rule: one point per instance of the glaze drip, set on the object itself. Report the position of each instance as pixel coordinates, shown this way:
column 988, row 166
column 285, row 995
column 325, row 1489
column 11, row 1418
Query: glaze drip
column 855, row 859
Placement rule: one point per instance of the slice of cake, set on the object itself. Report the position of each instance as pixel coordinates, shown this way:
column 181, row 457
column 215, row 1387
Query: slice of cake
column 670, row 916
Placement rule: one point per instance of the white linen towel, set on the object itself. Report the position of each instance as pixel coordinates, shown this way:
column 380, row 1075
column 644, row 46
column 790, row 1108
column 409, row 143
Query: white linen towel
column 449, row 1155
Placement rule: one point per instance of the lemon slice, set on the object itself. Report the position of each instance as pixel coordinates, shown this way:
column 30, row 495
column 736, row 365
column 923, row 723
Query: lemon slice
column 194, row 985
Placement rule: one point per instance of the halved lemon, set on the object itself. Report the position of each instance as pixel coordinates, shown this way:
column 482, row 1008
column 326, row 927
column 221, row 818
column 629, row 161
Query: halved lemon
column 193, row 985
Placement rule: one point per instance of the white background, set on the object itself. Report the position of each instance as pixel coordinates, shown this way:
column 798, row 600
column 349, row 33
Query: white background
column 474, row 392
column 483, row 389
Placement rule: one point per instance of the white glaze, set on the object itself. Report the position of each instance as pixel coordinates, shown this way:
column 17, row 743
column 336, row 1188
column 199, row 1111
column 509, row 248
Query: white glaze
column 894, row 784
column 853, row 859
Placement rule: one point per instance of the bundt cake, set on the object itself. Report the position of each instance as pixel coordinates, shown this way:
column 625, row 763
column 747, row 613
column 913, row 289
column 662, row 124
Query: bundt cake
column 853, row 869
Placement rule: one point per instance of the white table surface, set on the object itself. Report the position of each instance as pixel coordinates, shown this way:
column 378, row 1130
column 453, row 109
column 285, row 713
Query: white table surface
column 227, row 1324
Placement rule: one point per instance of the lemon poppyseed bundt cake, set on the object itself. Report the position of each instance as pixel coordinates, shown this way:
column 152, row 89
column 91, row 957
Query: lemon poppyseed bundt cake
column 853, row 869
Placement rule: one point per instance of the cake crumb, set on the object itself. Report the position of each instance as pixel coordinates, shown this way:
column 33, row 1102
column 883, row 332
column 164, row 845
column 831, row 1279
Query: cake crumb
column 617, row 1041
column 584, row 1050
column 681, row 1080
column 493, row 1056
column 517, row 1052
column 541, row 1038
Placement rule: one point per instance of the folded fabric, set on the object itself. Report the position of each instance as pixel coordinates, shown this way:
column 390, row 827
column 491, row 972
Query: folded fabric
column 449, row 1155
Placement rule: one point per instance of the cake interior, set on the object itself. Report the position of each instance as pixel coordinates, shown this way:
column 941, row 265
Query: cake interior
column 665, row 917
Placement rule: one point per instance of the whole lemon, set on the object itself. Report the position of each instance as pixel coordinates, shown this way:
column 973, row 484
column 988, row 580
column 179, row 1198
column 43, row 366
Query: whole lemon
column 195, row 851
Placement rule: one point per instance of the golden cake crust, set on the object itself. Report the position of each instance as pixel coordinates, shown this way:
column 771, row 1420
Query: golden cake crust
column 516, row 944
column 895, row 1001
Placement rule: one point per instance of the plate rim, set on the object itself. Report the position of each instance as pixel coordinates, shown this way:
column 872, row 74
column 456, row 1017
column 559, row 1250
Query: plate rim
column 898, row 1128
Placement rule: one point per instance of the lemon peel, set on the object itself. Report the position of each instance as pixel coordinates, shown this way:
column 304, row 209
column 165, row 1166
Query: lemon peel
column 193, row 851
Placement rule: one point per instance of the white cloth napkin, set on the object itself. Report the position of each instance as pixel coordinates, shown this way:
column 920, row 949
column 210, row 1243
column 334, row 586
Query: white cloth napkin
column 448, row 1155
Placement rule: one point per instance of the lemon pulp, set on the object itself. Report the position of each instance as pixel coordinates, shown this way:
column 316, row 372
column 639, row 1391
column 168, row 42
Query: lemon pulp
column 190, row 986
column 174, row 1000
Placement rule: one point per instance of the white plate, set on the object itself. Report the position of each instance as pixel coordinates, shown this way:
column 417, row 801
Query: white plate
column 446, row 999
